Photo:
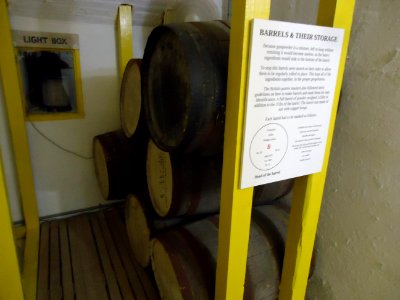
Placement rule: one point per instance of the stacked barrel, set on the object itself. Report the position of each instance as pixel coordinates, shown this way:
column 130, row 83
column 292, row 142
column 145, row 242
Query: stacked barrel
column 167, row 161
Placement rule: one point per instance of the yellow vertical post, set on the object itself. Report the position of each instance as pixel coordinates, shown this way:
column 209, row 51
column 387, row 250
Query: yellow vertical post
column 15, row 111
column 10, row 279
column 236, row 204
column 124, row 37
column 308, row 190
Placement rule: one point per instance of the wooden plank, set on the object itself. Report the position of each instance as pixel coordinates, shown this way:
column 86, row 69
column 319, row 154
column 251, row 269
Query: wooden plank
column 55, row 268
column 111, row 280
column 86, row 259
column 66, row 269
column 119, row 235
column 77, row 267
column 43, row 274
column 115, row 259
column 121, row 240
column 236, row 204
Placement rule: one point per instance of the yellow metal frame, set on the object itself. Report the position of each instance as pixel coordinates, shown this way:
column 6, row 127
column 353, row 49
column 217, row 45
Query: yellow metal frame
column 15, row 111
column 124, row 37
column 80, row 113
column 236, row 204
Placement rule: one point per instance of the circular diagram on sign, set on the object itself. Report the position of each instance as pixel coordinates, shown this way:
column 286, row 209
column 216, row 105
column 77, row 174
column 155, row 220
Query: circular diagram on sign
column 268, row 146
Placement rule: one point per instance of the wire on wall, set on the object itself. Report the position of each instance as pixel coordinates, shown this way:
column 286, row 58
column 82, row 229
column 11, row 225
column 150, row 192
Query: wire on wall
column 58, row 145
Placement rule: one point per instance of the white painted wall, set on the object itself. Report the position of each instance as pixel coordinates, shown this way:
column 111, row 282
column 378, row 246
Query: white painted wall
column 358, row 242
column 358, row 239
column 63, row 181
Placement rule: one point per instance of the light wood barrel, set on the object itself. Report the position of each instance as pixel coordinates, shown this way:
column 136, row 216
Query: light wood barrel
column 141, row 224
column 119, row 164
column 184, row 262
column 186, row 185
column 131, row 111
column 182, row 185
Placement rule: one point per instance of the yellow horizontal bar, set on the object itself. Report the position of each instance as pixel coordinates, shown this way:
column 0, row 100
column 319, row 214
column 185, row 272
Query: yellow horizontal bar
column 308, row 191
column 236, row 204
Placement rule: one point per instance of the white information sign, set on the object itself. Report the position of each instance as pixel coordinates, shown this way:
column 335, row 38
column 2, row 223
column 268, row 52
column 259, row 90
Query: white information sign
column 292, row 78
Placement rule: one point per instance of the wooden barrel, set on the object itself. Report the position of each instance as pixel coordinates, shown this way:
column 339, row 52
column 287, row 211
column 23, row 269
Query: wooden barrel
column 184, row 262
column 182, row 185
column 268, row 193
column 186, row 185
column 274, row 220
column 119, row 164
column 131, row 99
column 141, row 224
column 184, row 75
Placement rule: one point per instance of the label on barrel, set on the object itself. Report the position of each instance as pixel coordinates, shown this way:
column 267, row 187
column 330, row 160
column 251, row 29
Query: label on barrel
column 292, row 79
column 159, row 179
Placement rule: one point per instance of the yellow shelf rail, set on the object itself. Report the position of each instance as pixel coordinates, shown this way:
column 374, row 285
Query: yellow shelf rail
column 16, row 119
column 236, row 204
column 10, row 279
column 308, row 191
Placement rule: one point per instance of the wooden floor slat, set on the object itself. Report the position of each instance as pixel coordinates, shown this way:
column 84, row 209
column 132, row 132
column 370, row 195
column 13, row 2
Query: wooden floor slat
column 66, row 270
column 95, row 283
column 116, row 260
column 112, row 218
column 43, row 272
column 87, row 257
column 77, row 264
column 109, row 273
column 121, row 240
column 55, row 268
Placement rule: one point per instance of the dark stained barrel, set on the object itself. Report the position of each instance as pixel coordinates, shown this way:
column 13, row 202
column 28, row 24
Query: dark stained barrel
column 184, row 76
column 268, row 193
column 184, row 262
column 274, row 220
column 119, row 164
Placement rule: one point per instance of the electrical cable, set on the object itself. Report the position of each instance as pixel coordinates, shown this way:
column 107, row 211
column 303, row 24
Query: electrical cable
column 58, row 145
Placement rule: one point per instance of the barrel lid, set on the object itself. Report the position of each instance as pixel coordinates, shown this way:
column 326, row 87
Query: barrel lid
column 101, row 169
column 130, row 97
column 138, row 230
column 164, row 272
column 159, row 179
